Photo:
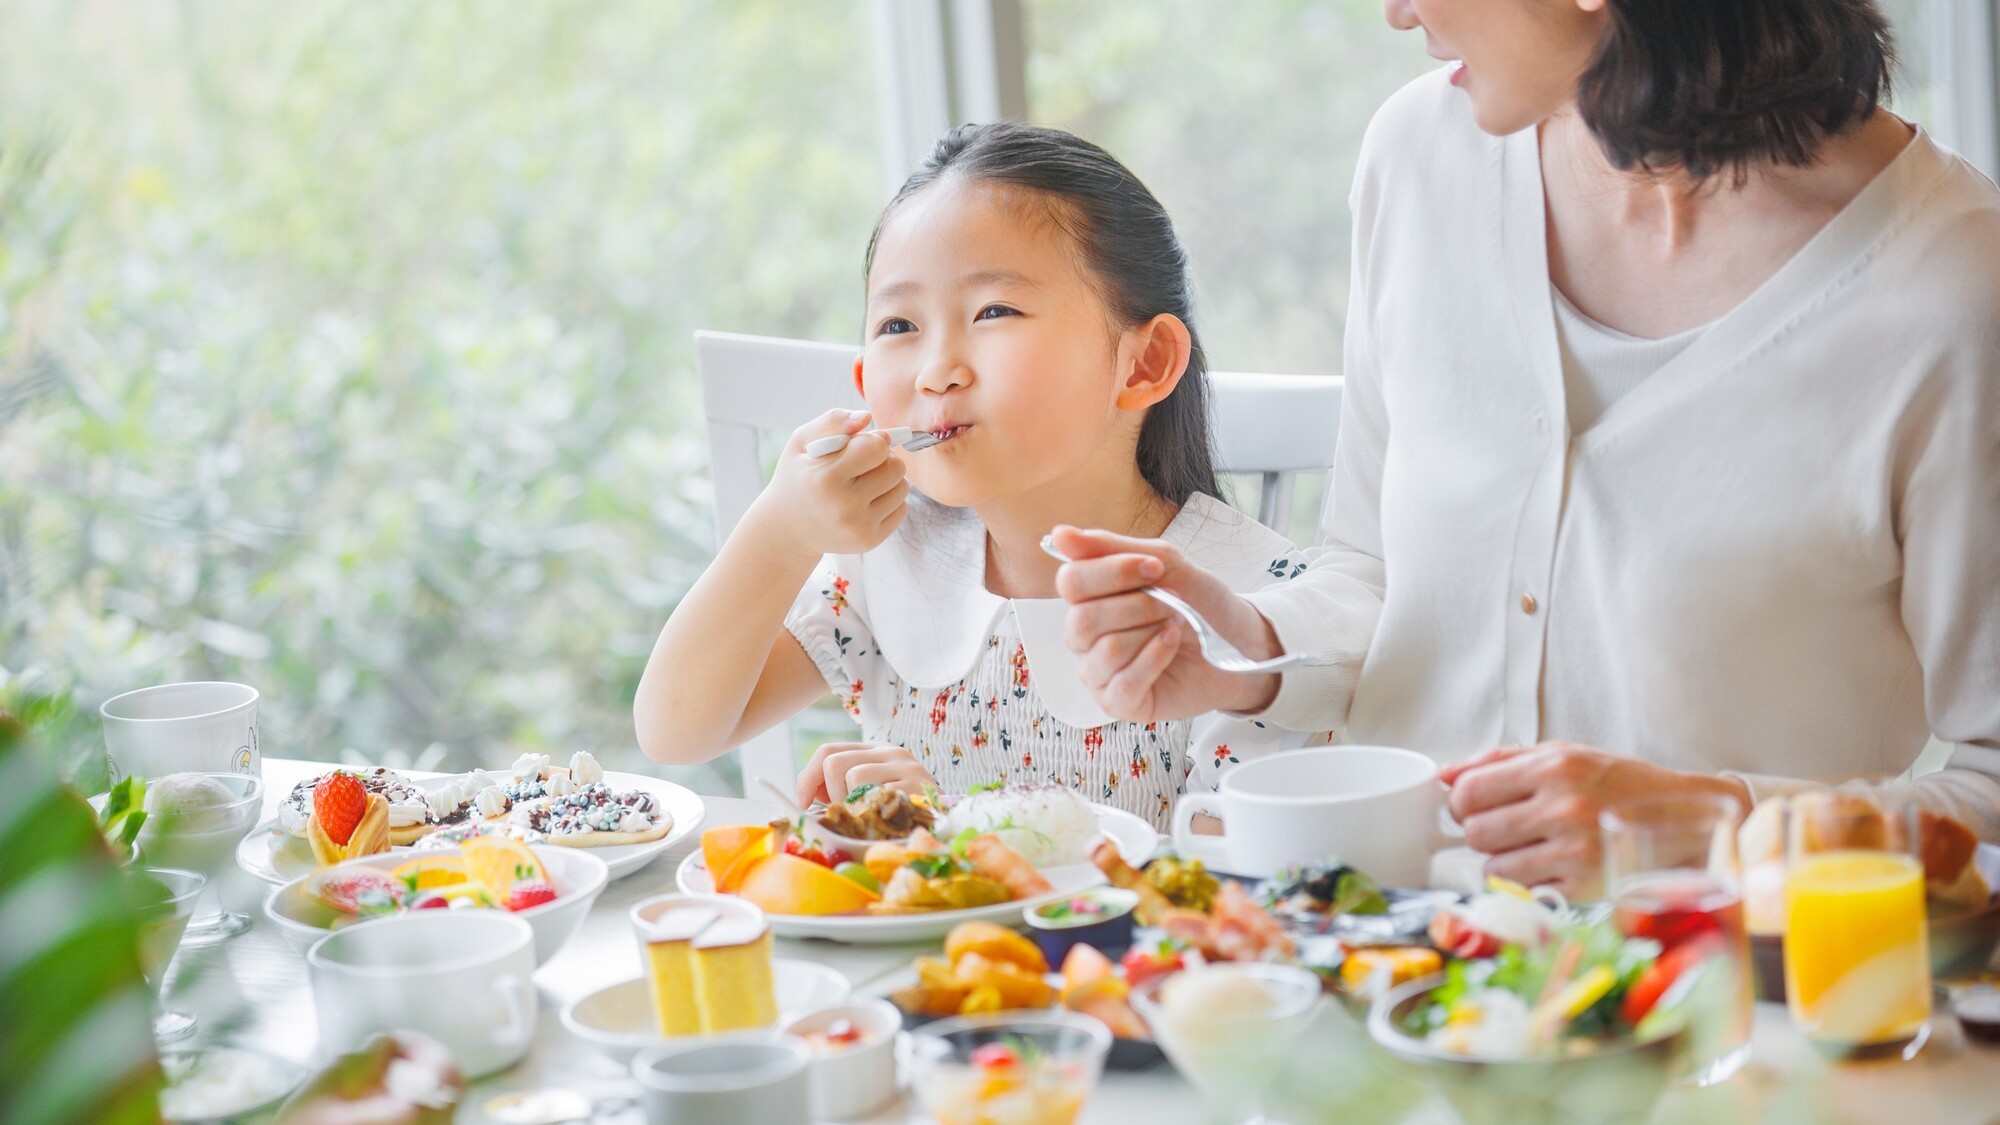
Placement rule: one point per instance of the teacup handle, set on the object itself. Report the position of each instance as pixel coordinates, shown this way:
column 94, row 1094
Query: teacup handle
column 518, row 995
column 1210, row 850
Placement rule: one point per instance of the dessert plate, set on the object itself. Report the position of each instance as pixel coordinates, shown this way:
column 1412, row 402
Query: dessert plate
column 278, row 857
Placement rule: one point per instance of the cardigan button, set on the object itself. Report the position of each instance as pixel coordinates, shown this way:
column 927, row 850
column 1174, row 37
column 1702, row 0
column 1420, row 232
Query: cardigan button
column 1527, row 603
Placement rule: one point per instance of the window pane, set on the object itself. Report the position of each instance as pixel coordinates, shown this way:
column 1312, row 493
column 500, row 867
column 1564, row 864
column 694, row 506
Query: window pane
column 1245, row 119
column 344, row 348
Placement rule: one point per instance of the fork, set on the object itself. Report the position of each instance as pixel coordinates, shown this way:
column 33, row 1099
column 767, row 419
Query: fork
column 1215, row 648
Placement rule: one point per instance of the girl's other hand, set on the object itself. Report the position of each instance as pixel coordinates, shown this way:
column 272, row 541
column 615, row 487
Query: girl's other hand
column 1140, row 662
column 838, row 768
column 843, row 503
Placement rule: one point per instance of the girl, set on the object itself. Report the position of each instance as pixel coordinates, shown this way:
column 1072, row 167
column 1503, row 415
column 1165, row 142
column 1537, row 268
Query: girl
column 1028, row 302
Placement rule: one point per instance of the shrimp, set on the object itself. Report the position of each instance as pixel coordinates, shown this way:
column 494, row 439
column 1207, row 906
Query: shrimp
column 1005, row 866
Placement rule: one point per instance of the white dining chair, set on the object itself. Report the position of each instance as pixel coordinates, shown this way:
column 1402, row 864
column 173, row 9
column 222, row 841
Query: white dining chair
column 1275, row 427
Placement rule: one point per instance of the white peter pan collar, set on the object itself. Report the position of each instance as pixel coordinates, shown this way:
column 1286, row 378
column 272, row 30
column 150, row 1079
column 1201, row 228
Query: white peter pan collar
column 932, row 615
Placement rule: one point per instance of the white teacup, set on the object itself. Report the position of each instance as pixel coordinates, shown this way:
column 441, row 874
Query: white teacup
column 461, row 977
column 735, row 1079
column 1375, row 808
column 208, row 727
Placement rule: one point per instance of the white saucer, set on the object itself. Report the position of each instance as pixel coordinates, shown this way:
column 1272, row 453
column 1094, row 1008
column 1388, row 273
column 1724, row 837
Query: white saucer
column 618, row 1020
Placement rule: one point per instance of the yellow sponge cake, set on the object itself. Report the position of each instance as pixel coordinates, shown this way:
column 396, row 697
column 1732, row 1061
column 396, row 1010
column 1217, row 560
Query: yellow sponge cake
column 708, row 958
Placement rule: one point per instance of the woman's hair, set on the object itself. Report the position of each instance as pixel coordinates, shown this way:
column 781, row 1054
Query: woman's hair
column 1128, row 245
column 1707, row 86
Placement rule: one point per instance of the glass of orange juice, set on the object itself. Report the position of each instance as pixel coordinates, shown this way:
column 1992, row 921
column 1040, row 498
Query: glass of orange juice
column 1857, row 950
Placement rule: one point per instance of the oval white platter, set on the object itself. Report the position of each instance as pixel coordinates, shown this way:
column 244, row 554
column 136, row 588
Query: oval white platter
column 1135, row 838
column 278, row 857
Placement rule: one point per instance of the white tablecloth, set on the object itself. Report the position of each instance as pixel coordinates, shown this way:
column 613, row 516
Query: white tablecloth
column 253, row 990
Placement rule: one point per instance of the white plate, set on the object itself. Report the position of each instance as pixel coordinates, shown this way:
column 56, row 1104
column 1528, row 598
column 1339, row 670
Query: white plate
column 1135, row 838
column 618, row 1020
column 275, row 855
column 680, row 802
column 278, row 857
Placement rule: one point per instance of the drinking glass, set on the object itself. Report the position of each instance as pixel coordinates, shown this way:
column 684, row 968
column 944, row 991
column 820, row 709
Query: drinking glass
column 1857, row 950
column 1229, row 1028
column 167, row 897
column 1670, row 867
column 203, row 839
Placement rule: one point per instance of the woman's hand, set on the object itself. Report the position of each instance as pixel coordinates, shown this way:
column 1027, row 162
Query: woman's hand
column 839, row 767
column 1533, row 809
column 841, row 504
column 1139, row 661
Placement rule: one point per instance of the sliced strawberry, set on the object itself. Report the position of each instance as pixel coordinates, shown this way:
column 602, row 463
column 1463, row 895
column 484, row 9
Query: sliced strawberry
column 1453, row 935
column 363, row 891
column 1144, row 962
column 339, row 800
column 429, row 900
column 530, row 892
column 994, row 1056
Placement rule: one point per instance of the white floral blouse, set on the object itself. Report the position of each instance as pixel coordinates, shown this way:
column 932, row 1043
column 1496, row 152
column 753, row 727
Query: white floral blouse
column 982, row 689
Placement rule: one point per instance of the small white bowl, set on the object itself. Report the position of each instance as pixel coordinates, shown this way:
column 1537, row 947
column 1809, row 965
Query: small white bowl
column 618, row 1019
column 858, row 1080
column 579, row 878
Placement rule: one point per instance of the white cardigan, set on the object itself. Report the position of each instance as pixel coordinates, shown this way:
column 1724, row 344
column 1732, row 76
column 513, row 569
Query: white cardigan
column 1778, row 556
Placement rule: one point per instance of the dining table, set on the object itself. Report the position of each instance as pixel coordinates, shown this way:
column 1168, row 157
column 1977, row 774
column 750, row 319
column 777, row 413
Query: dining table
column 253, row 991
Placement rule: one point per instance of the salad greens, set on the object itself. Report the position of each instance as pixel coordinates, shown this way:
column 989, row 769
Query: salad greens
column 1575, row 986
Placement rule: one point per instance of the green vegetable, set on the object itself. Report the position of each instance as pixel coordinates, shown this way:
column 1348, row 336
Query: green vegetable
column 858, row 873
column 124, row 813
column 988, row 787
column 934, row 866
column 855, row 793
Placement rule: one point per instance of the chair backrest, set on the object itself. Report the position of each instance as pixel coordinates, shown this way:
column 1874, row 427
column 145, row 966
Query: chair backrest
column 1274, row 426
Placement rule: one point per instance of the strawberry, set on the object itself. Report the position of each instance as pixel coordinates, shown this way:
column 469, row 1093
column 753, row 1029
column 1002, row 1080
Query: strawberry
column 530, row 892
column 362, row 891
column 338, row 802
column 1144, row 962
column 429, row 900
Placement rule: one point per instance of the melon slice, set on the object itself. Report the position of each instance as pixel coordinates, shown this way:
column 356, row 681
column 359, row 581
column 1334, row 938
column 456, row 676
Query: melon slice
column 786, row 884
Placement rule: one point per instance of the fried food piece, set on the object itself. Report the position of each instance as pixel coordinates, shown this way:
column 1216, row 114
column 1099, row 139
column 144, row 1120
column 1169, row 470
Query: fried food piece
column 1006, row 867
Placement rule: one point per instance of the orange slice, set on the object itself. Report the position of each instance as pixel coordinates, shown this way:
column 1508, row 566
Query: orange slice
column 786, row 884
column 500, row 862
column 430, row 871
column 729, row 853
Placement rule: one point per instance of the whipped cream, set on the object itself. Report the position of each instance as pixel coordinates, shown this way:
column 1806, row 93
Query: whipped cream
column 560, row 785
column 583, row 768
column 491, row 802
column 403, row 814
column 531, row 767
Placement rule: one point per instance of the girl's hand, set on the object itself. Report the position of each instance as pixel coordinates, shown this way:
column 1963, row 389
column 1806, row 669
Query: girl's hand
column 1139, row 661
column 839, row 767
column 1534, row 809
column 841, row 504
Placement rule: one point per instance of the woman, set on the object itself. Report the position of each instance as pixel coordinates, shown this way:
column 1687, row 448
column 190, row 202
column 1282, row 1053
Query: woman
column 1670, row 456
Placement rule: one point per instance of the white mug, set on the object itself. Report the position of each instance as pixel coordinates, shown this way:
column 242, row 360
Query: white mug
column 207, row 727
column 735, row 1079
column 1374, row 808
column 461, row 977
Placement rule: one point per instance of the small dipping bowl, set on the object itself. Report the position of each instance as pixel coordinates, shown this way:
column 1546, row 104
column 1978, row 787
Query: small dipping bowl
column 1099, row 917
column 858, row 1078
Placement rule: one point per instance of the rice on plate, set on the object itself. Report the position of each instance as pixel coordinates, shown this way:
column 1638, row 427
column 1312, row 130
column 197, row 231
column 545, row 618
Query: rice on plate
column 1049, row 825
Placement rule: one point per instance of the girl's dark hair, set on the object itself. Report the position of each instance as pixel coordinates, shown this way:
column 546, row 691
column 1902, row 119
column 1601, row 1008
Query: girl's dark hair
column 1708, row 86
column 1128, row 245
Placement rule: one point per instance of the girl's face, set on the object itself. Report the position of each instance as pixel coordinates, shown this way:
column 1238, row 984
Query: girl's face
column 983, row 323
column 1519, row 60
